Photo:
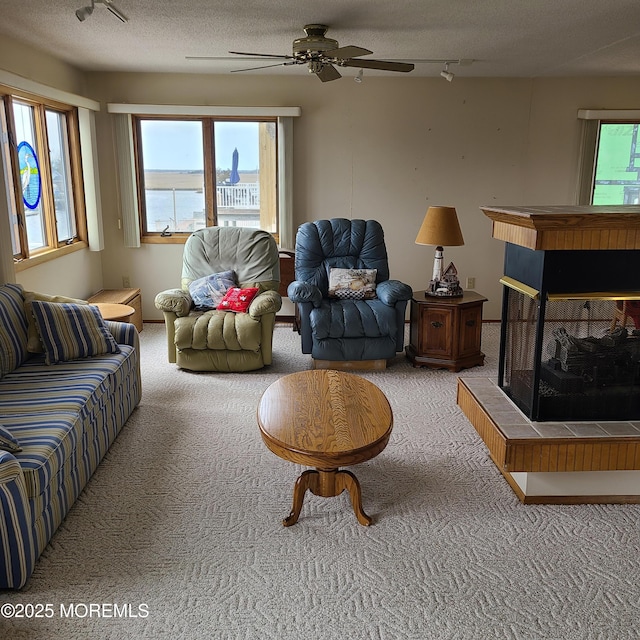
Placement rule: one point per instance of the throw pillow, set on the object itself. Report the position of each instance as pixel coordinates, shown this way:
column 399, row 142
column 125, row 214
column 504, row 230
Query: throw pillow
column 71, row 331
column 357, row 284
column 8, row 442
column 33, row 337
column 13, row 328
column 238, row 300
column 207, row 292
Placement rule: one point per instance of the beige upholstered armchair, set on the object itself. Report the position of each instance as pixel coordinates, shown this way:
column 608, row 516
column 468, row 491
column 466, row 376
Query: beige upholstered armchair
column 202, row 339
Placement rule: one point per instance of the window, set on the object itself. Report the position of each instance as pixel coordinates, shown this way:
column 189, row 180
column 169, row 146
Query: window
column 617, row 164
column 610, row 157
column 198, row 172
column 41, row 156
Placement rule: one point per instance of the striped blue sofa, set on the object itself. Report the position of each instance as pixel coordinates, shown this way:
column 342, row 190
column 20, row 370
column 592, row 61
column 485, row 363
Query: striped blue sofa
column 64, row 417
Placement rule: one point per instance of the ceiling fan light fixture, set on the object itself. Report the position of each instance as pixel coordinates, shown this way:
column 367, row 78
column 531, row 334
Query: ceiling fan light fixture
column 359, row 77
column 446, row 74
column 321, row 55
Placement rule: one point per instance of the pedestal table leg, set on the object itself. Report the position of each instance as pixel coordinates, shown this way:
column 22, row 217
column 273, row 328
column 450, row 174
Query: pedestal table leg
column 327, row 483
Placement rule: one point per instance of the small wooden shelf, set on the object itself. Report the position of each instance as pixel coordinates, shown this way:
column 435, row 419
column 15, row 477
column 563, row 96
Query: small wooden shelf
column 131, row 297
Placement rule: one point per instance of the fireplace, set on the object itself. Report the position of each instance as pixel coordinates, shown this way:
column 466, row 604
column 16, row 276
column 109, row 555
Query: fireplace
column 561, row 358
column 584, row 370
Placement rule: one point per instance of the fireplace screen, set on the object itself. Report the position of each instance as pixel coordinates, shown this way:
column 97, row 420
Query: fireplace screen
column 564, row 360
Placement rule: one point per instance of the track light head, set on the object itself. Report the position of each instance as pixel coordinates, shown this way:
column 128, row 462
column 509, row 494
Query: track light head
column 83, row 13
column 446, row 74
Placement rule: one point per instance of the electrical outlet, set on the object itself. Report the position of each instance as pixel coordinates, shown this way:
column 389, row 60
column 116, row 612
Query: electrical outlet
column 471, row 283
column 126, row 282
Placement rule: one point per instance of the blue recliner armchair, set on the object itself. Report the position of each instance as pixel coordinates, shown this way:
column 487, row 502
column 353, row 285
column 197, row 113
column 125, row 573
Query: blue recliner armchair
column 346, row 332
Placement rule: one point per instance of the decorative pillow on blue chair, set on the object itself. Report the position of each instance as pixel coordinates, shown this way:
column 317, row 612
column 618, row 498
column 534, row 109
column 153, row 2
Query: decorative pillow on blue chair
column 357, row 284
column 71, row 331
column 207, row 292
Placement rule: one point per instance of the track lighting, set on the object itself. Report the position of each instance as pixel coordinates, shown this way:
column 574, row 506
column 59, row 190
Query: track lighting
column 446, row 74
column 358, row 78
column 84, row 12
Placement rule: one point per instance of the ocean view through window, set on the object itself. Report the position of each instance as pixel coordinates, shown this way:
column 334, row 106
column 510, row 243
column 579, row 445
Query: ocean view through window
column 200, row 172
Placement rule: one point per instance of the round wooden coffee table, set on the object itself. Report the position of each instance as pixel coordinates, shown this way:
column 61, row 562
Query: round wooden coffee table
column 325, row 419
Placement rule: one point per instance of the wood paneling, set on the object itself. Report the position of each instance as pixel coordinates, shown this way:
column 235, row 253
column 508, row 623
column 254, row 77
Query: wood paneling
column 567, row 227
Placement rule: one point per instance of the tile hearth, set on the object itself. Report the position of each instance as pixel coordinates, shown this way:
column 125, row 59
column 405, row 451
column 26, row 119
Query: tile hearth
column 572, row 462
column 514, row 424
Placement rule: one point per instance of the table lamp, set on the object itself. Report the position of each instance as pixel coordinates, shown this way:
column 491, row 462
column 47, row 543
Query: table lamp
column 440, row 228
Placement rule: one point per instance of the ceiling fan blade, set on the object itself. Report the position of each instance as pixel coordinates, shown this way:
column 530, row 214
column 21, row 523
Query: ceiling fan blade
column 346, row 52
column 260, row 55
column 266, row 66
column 384, row 65
column 328, row 73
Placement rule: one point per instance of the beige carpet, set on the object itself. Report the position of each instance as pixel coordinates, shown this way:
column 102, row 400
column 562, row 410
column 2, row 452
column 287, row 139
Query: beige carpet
column 182, row 523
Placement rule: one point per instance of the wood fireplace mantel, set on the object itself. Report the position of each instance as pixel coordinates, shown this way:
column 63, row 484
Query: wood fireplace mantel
column 567, row 227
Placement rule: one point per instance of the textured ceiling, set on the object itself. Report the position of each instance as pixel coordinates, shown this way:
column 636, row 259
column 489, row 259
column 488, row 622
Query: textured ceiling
column 523, row 38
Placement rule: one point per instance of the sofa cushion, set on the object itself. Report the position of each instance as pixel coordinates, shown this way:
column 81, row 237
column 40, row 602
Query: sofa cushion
column 48, row 440
column 34, row 345
column 13, row 328
column 71, row 331
column 8, row 442
column 36, row 387
column 207, row 292
column 50, row 410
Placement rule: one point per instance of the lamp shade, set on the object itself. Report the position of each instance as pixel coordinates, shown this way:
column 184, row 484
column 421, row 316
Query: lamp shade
column 440, row 228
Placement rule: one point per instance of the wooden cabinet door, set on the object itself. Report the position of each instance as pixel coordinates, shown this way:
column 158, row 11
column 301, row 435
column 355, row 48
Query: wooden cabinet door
column 437, row 328
column 470, row 331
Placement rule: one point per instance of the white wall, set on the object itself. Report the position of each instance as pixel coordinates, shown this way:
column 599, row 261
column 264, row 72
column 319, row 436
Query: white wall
column 77, row 274
column 385, row 149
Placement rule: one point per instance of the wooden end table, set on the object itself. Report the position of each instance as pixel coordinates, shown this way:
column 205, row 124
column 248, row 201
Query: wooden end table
column 326, row 419
column 115, row 312
column 446, row 333
column 131, row 297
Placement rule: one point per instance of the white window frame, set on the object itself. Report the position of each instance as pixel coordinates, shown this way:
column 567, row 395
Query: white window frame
column 591, row 120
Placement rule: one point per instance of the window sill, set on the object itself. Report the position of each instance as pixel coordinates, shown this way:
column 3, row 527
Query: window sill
column 177, row 238
column 46, row 256
column 174, row 238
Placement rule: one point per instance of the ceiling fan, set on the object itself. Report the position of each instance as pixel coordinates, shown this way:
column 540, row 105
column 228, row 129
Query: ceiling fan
column 322, row 55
